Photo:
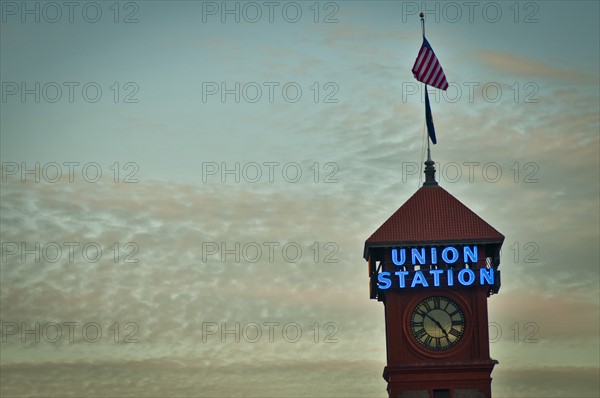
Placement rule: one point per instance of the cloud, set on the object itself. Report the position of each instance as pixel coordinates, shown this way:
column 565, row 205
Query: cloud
column 171, row 291
column 547, row 381
column 190, row 378
column 520, row 65
column 553, row 316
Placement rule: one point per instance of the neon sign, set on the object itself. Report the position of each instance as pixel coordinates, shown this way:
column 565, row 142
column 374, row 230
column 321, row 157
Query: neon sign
column 435, row 277
column 449, row 255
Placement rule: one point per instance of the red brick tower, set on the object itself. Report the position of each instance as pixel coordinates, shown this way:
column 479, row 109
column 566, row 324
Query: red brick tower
column 433, row 264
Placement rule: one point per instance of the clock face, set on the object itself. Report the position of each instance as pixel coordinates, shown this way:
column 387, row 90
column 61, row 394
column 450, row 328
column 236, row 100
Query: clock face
column 437, row 323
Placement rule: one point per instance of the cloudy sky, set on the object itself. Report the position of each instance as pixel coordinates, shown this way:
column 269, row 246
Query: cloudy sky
column 187, row 188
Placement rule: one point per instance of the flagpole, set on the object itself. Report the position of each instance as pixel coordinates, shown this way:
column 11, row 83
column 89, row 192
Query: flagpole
column 422, row 15
column 429, row 169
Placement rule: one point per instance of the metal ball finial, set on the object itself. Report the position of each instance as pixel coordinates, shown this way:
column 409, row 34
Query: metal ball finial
column 422, row 15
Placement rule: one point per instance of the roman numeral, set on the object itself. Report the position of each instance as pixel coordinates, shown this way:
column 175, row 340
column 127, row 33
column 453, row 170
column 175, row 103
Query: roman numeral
column 418, row 324
column 426, row 304
column 457, row 322
column 428, row 341
column 417, row 315
column 455, row 333
column 437, row 302
column 419, row 333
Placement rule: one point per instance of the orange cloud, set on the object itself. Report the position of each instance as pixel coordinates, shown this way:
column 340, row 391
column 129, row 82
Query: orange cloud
column 520, row 65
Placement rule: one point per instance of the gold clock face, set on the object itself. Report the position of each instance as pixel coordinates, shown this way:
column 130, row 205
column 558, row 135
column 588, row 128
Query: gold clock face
column 437, row 323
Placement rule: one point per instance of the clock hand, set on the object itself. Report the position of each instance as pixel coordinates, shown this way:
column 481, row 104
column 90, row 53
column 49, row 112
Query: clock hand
column 443, row 330
column 439, row 325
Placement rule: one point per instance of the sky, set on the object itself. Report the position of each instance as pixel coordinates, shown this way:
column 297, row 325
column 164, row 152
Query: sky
column 187, row 187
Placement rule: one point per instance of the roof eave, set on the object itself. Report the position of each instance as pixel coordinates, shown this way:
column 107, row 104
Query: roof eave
column 454, row 241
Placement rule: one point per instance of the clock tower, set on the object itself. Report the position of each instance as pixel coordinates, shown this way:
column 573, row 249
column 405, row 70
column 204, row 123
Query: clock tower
column 433, row 264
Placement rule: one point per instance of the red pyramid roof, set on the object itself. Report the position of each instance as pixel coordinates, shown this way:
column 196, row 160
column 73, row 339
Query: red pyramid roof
column 432, row 215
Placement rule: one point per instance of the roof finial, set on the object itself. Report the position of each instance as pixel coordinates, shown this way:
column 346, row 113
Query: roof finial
column 429, row 170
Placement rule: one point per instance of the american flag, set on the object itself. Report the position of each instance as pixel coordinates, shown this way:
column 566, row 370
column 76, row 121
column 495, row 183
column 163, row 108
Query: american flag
column 427, row 68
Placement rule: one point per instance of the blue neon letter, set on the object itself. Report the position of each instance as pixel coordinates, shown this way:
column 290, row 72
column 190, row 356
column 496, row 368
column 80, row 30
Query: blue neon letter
column 419, row 278
column 436, row 276
column 470, row 254
column 486, row 275
column 402, row 257
column 454, row 255
column 433, row 255
column 401, row 275
column 461, row 277
column 416, row 256
column 384, row 280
